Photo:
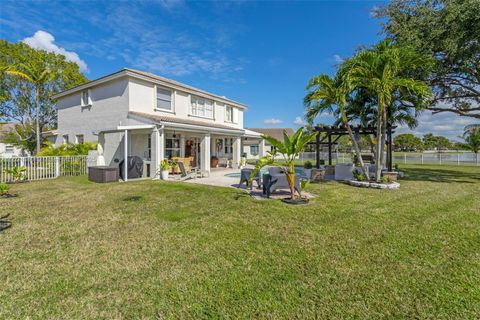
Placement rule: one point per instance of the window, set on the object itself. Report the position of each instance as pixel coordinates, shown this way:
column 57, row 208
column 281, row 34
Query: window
column 172, row 147
column 164, row 99
column 9, row 148
column 149, row 146
column 202, row 107
column 65, row 138
column 86, row 101
column 79, row 138
column 254, row 150
column 228, row 113
column 228, row 145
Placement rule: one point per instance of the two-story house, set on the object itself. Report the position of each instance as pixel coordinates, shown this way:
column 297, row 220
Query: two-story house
column 134, row 113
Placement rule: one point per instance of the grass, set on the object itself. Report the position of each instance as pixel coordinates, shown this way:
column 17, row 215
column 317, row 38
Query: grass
column 150, row 249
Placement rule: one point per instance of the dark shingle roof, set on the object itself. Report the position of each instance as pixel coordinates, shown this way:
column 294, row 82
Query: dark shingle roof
column 277, row 133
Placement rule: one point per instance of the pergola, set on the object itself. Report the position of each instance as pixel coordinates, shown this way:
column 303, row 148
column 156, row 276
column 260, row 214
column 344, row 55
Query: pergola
column 333, row 133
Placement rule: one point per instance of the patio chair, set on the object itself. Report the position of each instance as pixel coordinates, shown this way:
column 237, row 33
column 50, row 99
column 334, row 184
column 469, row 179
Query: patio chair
column 273, row 182
column 245, row 177
column 185, row 175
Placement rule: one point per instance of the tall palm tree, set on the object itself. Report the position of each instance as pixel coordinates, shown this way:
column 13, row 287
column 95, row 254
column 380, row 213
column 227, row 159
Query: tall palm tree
column 384, row 70
column 38, row 75
column 290, row 148
column 330, row 94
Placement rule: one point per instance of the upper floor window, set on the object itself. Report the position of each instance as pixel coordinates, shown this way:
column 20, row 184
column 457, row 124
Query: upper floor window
column 202, row 107
column 9, row 148
column 65, row 138
column 79, row 138
column 164, row 99
column 228, row 113
column 86, row 100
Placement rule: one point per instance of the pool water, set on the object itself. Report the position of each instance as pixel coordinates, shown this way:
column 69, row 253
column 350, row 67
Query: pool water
column 298, row 171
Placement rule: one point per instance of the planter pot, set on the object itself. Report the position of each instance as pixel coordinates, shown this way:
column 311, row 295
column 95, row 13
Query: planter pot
column 318, row 175
column 213, row 162
column 393, row 176
column 164, row 174
column 295, row 201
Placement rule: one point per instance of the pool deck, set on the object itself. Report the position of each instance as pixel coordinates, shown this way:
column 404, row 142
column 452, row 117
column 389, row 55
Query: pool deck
column 217, row 178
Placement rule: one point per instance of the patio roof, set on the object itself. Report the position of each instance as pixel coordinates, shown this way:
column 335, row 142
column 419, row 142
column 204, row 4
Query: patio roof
column 173, row 120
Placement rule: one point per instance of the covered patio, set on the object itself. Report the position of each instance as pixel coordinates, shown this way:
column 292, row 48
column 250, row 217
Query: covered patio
column 197, row 144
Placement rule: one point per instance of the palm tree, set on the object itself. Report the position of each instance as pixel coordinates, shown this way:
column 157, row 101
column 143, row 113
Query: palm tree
column 290, row 148
column 384, row 71
column 38, row 75
column 324, row 94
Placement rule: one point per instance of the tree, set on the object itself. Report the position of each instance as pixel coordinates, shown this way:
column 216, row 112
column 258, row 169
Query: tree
column 290, row 148
column 28, row 79
column 385, row 70
column 448, row 31
column 472, row 139
column 439, row 143
column 325, row 94
column 407, row 142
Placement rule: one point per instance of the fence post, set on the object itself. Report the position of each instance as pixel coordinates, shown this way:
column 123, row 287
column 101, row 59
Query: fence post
column 458, row 159
column 422, row 158
column 440, row 157
column 405, row 158
column 57, row 167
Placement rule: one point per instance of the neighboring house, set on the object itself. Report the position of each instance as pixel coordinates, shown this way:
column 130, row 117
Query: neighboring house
column 252, row 150
column 8, row 150
column 134, row 113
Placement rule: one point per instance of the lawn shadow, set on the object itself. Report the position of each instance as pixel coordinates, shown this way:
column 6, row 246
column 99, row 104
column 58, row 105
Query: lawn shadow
column 440, row 175
column 5, row 223
column 132, row 198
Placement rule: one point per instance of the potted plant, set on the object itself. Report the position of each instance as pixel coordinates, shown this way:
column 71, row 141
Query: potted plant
column 213, row 162
column 242, row 162
column 290, row 148
column 165, row 167
column 307, row 169
column 4, row 190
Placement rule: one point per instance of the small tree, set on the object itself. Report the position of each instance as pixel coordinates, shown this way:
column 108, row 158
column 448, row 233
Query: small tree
column 289, row 149
column 472, row 139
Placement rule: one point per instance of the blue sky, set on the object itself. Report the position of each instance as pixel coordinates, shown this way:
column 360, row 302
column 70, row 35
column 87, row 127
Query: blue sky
column 259, row 53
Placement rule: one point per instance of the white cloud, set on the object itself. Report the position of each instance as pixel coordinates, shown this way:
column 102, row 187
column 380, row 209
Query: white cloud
column 272, row 121
column 338, row 59
column 445, row 124
column 299, row 121
column 45, row 41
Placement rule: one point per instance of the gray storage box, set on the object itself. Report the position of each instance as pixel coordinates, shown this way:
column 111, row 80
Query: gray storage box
column 103, row 174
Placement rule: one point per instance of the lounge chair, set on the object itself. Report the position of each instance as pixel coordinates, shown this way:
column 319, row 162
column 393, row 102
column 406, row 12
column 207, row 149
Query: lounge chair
column 277, row 179
column 185, row 175
column 245, row 177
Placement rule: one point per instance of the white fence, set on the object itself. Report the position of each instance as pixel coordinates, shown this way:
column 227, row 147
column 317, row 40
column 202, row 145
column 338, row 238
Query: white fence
column 41, row 168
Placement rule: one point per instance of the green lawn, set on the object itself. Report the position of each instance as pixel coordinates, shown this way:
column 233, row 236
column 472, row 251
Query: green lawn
column 150, row 249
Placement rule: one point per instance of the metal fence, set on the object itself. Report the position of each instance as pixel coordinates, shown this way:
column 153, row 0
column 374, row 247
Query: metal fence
column 451, row 158
column 41, row 168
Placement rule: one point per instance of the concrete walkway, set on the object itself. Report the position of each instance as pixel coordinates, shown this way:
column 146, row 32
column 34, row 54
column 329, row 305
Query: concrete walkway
column 217, row 178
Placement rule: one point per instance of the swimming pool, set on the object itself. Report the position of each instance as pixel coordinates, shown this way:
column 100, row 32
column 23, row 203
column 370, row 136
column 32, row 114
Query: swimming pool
column 233, row 175
column 298, row 171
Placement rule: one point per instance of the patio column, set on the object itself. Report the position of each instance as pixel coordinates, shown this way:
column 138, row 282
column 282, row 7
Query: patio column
column 182, row 145
column 237, row 151
column 158, row 151
column 125, row 156
column 261, row 148
column 100, row 149
column 205, row 153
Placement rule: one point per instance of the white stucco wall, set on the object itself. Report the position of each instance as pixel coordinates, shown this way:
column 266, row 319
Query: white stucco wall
column 109, row 109
column 142, row 98
column 17, row 152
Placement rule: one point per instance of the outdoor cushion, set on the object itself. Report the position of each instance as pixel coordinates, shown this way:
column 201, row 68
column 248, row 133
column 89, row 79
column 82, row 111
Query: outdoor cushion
column 344, row 171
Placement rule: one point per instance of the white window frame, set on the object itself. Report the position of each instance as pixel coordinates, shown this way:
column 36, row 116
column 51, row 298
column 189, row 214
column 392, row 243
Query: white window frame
column 89, row 98
column 231, row 119
column 65, row 139
column 194, row 107
column 172, row 100
column 9, row 148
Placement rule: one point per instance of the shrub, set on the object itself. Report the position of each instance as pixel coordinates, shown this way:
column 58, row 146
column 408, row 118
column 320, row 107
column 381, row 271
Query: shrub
column 308, row 165
column 359, row 176
column 3, row 189
column 385, row 179
column 18, row 173
column 67, row 149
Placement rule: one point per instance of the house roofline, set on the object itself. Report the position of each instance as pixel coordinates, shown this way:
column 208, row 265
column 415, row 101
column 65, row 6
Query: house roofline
column 126, row 72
